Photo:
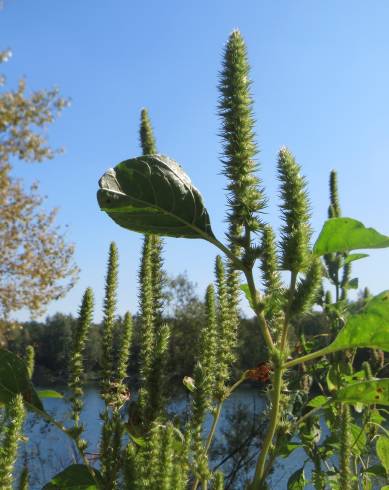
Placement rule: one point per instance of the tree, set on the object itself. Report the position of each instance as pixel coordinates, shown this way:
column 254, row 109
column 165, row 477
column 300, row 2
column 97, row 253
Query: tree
column 36, row 263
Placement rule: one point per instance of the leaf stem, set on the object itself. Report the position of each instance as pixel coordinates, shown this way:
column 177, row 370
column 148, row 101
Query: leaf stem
column 308, row 357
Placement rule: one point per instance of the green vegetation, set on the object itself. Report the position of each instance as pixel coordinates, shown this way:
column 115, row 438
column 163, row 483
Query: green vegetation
column 145, row 446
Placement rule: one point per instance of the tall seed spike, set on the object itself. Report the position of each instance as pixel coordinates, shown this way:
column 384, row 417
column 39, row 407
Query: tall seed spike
column 147, row 332
column 334, row 211
column 124, row 348
column 235, row 108
column 109, row 310
column 295, row 213
column 76, row 369
column 30, row 360
column 12, row 432
column 227, row 329
column 308, row 288
column 147, row 138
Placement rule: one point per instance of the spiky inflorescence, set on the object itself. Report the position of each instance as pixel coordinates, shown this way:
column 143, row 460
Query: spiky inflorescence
column 158, row 378
column 218, row 483
column 271, row 279
column 295, row 211
column 205, row 376
column 245, row 196
column 227, row 330
column 79, row 337
column 154, row 335
column 30, row 360
column 124, row 348
column 147, row 332
column 162, row 462
column 345, row 473
column 109, row 308
column 308, row 288
column 11, row 433
column 334, row 208
column 147, row 139
column 209, row 344
column 236, row 111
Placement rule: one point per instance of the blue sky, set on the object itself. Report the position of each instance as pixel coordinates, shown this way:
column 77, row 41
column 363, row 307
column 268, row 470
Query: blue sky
column 320, row 81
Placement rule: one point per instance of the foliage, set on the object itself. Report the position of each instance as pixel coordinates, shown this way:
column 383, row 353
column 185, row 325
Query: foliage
column 142, row 444
column 37, row 263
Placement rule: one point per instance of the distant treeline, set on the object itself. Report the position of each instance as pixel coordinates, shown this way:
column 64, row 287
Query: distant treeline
column 185, row 314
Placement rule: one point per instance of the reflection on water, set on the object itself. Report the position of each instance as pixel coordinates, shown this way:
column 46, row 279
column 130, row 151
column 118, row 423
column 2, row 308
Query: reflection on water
column 49, row 450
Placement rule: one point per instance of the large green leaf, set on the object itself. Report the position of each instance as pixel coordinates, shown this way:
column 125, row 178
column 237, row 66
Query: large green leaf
column 153, row 194
column 74, row 477
column 345, row 234
column 14, row 380
column 382, row 449
column 366, row 392
column 49, row 394
column 297, row 480
column 368, row 328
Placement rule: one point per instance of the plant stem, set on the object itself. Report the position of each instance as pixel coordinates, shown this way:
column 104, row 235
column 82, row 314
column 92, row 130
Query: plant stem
column 214, row 424
column 216, row 418
column 284, row 337
column 259, row 470
column 258, row 310
column 308, row 357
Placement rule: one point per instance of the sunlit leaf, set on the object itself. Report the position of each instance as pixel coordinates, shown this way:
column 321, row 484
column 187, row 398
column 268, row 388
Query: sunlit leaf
column 353, row 257
column 288, row 449
column 382, row 449
column 14, row 379
column 368, row 328
column 297, row 480
column 358, row 439
column 366, row 392
column 318, row 401
column 153, row 194
column 49, row 394
column 74, row 477
column 246, row 290
column 345, row 234
column 375, row 470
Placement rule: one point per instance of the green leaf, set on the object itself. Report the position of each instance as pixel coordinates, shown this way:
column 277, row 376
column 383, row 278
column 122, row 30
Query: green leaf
column 74, row 477
column 382, row 449
column 366, row 392
column 49, row 394
column 288, row 449
column 368, row 328
column 353, row 257
column 318, row 401
column 14, row 380
column 139, row 441
column 152, row 194
column 353, row 284
column 246, row 290
column 358, row 443
column 297, row 480
column 385, row 487
column 375, row 470
column 345, row 234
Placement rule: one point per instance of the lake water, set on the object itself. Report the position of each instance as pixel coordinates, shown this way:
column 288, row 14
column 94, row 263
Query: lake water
column 51, row 451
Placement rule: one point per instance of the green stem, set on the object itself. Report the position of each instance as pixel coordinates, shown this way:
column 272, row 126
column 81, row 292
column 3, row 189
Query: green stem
column 214, row 424
column 216, row 418
column 260, row 473
column 284, row 337
column 308, row 357
column 259, row 310
column 259, row 470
